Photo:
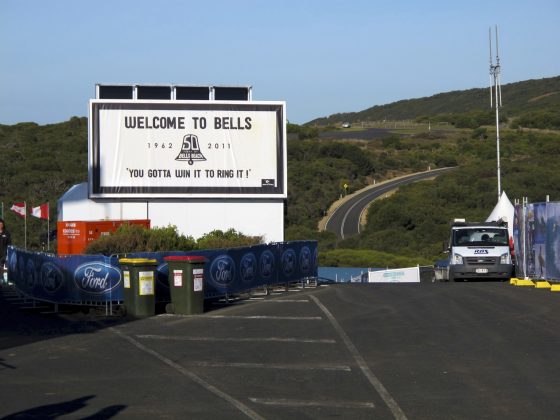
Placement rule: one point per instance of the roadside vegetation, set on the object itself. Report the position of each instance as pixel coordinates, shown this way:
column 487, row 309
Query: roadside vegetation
column 135, row 238
column 414, row 222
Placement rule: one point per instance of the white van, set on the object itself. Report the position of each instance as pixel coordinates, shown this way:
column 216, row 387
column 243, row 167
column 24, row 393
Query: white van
column 479, row 250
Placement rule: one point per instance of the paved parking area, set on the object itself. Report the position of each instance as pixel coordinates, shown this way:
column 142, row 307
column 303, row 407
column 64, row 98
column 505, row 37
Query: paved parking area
column 480, row 350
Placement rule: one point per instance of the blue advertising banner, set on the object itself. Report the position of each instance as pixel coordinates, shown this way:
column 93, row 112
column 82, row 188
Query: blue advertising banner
column 518, row 245
column 539, row 240
column 553, row 241
column 74, row 279
column 536, row 233
column 96, row 279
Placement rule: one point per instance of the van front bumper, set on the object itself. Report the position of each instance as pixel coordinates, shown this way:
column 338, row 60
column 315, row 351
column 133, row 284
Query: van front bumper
column 494, row 271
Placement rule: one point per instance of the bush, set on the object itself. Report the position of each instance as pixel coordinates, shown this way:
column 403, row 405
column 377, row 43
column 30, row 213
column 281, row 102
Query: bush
column 303, row 132
column 480, row 133
column 134, row 238
column 544, row 119
column 229, row 239
column 367, row 258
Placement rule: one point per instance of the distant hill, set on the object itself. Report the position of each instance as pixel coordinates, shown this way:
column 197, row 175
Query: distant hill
column 38, row 164
column 518, row 98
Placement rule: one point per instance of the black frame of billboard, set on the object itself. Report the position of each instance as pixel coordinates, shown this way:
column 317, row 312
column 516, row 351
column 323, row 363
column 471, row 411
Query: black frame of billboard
column 141, row 193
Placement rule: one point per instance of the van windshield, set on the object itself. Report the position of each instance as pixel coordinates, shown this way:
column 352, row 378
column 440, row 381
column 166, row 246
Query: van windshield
column 480, row 237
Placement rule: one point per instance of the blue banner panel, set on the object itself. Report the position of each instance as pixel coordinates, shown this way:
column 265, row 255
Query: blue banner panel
column 518, row 228
column 529, row 239
column 72, row 279
column 85, row 279
column 553, row 241
column 536, row 232
column 539, row 240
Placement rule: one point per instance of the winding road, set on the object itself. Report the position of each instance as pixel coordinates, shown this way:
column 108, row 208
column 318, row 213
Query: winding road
column 345, row 220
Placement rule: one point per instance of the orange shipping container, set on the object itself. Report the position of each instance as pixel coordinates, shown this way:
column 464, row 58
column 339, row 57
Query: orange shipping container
column 74, row 236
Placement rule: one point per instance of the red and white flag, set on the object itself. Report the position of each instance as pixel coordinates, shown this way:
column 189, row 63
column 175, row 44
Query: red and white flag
column 19, row 208
column 42, row 211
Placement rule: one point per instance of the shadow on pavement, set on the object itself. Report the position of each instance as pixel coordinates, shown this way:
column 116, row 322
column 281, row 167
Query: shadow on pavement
column 21, row 323
column 52, row 411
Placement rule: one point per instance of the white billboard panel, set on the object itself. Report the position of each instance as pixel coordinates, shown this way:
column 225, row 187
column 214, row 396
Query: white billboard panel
column 169, row 149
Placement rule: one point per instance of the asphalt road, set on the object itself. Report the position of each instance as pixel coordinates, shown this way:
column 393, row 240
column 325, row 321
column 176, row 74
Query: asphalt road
column 413, row 351
column 345, row 220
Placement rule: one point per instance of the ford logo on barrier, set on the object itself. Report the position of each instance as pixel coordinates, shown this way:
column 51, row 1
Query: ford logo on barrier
column 222, row 270
column 96, row 278
column 289, row 262
column 248, row 267
column 305, row 259
column 51, row 277
column 266, row 264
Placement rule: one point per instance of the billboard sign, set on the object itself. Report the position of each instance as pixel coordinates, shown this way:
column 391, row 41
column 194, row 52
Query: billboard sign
column 177, row 149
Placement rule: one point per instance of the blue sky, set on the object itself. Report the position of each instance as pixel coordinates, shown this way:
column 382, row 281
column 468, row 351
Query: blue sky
column 320, row 56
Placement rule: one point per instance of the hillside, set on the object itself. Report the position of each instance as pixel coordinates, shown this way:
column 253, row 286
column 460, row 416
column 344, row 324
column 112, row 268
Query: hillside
column 518, row 98
column 40, row 163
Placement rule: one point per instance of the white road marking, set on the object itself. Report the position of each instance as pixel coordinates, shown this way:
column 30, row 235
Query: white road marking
column 280, row 366
column 282, row 318
column 309, row 403
column 211, row 388
column 287, row 300
column 239, row 339
column 373, row 380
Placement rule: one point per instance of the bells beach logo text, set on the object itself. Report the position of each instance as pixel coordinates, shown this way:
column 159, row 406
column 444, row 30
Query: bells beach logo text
column 190, row 150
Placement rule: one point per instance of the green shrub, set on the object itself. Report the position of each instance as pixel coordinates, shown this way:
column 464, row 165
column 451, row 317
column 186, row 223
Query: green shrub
column 303, row 132
column 367, row 258
column 229, row 239
column 134, row 238
column 544, row 119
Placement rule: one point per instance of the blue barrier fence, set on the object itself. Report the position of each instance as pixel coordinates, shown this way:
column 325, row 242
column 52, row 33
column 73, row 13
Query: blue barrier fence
column 96, row 279
column 536, row 235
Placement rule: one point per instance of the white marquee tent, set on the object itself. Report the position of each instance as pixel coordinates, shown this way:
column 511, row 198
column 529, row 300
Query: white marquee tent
column 504, row 210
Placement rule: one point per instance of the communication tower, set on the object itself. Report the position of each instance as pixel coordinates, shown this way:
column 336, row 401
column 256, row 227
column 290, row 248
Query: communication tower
column 496, row 98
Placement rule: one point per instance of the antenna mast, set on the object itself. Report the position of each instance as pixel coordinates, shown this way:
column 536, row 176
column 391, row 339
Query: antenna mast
column 496, row 98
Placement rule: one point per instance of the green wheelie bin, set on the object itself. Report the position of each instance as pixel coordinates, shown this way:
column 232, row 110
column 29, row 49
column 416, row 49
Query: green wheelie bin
column 186, row 284
column 139, row 275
